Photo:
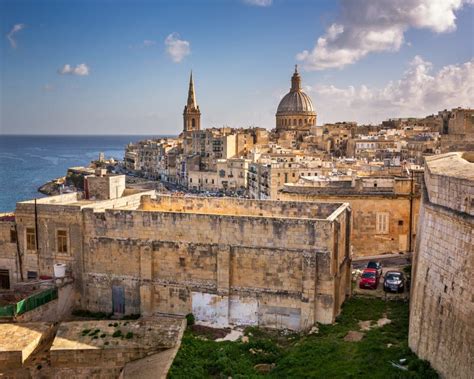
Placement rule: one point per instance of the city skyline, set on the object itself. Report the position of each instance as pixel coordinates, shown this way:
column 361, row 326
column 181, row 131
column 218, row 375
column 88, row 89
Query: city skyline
column 123, row 68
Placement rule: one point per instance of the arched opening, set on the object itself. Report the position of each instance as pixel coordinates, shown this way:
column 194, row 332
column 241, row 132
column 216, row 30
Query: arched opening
column 193, row 123
column 300, row 122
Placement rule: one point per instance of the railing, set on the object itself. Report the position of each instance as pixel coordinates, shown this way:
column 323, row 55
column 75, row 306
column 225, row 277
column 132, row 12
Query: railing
column 30, row 303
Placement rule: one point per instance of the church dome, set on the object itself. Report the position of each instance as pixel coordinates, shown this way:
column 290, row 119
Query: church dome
column 295, row 101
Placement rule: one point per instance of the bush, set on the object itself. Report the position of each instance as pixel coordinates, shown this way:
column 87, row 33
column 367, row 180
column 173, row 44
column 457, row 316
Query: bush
column 117, row 333
column 129, row 335
column 190, row 319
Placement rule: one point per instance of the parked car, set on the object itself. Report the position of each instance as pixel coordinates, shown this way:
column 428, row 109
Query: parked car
column 376, row 266
column 394, row 281
column 369, row 279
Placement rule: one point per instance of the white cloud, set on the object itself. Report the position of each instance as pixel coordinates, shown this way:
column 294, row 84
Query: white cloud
column 259, row 3
column 367, row 26
column 417, row 93
column 80, row 70
column 11, row 34
column 177, row 48
column 48, row 87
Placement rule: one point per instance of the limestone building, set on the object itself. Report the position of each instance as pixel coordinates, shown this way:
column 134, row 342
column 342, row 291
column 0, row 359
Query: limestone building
column 295, row 111
column 229, row 261
column 385, row 209
column 441, row 306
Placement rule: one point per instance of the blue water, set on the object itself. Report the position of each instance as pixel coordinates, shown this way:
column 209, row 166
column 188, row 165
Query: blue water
column 27, row 162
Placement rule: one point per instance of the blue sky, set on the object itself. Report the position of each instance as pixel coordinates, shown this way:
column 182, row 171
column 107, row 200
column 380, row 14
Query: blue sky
column 122, row 67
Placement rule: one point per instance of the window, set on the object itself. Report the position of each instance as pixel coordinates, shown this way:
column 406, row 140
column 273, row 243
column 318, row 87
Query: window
column 381, row 223
column 32, row 275
column 182, row 262
column 61, row 239
column 13, row 236
column 400, row 222
column 30, row 239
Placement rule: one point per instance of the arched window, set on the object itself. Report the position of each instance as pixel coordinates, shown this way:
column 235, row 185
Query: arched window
column 193, row 123
column 300, row 122
column 294, row 121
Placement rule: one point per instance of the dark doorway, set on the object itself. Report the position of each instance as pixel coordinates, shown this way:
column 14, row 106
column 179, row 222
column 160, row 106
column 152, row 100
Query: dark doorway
column 118, row 300
column 4, row 279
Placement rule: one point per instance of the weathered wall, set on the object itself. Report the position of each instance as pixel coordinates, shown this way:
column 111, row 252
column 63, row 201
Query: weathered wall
column 273, row 263
column 8, row 251
column 53, row 311
column 441, row 311
column 225, row 269
column 365, row 239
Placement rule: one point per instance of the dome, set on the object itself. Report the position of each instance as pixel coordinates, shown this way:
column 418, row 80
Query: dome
column 295, row 101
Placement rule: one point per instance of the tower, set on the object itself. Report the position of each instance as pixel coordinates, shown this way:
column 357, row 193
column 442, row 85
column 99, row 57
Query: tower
column 191, row 113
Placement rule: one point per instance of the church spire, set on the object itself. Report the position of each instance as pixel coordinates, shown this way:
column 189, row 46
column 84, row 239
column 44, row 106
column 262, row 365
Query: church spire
column 191, row 95
column 191, row 114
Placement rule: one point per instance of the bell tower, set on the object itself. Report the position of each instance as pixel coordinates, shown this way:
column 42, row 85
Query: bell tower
column 191, row 113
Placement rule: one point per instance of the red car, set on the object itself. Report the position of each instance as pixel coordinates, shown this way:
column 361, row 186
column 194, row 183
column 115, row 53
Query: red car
column 369, row 279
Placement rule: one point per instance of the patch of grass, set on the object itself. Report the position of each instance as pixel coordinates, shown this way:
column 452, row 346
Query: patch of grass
column 190, row 319
column 322, row 355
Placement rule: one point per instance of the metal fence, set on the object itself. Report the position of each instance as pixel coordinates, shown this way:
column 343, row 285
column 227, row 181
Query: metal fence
column 30, row 303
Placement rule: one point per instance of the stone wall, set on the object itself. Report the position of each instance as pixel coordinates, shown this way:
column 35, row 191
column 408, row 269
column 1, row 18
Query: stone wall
column 270, row 271
column 441, row 312
column 8, row 251
column 271, row 263
column 365, row 240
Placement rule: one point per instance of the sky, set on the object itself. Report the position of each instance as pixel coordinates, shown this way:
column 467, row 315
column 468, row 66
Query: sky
column 122, row 67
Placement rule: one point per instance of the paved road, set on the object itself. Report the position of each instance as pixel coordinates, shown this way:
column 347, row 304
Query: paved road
column 386, row 262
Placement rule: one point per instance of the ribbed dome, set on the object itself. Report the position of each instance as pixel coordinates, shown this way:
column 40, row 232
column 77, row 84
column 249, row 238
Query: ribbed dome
column 296, row 101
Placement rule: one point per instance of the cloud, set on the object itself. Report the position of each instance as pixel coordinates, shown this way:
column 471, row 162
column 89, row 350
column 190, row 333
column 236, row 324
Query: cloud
column 80, row 70
column 48, row 87
column 419, row 92
column 259, row 3
column 368, row 26
column 11, row 34
column 177, row 48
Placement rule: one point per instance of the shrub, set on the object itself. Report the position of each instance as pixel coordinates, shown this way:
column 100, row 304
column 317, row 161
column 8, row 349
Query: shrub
column 190, row 319
column 117, row 333
column 129, row 335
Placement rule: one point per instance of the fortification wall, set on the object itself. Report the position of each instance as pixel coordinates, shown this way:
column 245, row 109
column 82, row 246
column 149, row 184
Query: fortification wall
column 237, row 207
column 441, row 322
column 276, row 272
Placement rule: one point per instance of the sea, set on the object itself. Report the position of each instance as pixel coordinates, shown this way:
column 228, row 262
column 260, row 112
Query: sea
column 27, row 162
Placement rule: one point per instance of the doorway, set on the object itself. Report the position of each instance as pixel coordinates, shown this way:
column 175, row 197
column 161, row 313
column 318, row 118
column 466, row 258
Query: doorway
column 118, row 300
column 4, row 279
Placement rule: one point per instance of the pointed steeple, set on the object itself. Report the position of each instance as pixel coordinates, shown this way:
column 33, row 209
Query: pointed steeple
column 191, row 114
column 296, row 81
column 191, row 95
